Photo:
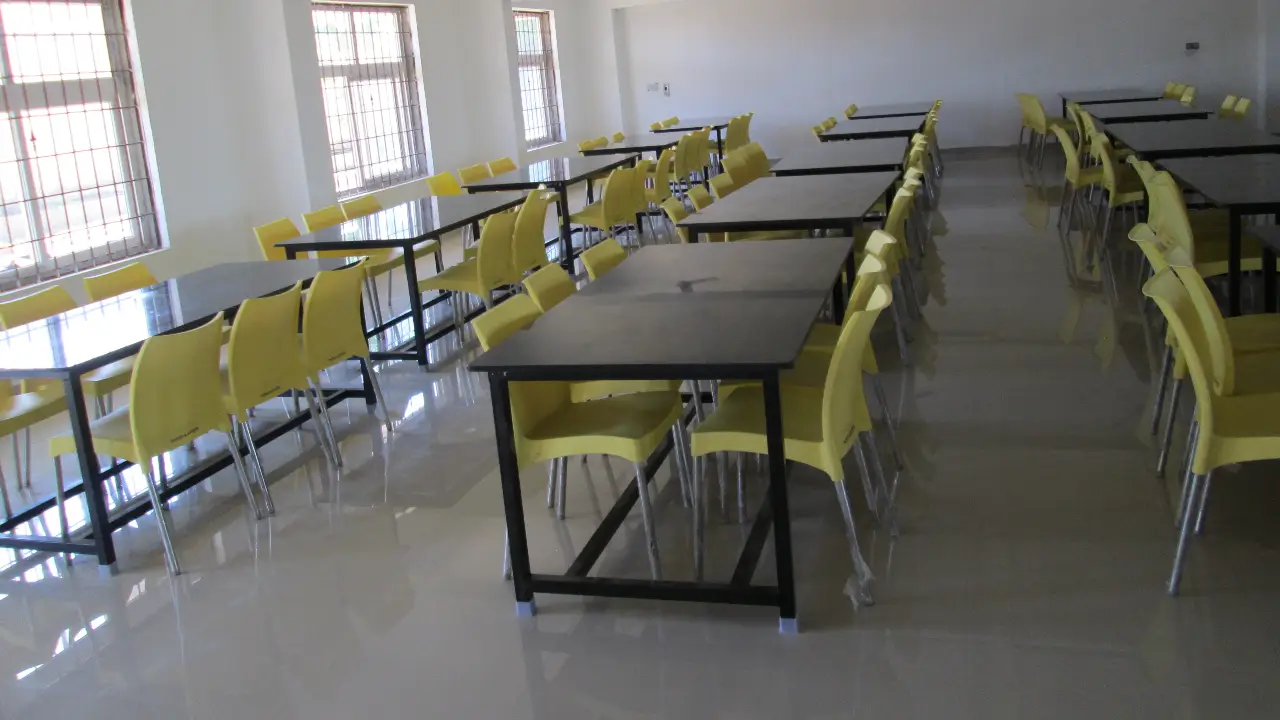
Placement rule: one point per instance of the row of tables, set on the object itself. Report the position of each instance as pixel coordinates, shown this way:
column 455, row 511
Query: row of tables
column 704, row 311
column 1231, row 163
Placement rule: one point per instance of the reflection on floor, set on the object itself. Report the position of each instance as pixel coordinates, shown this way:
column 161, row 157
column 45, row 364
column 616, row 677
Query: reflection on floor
column 1028, row 580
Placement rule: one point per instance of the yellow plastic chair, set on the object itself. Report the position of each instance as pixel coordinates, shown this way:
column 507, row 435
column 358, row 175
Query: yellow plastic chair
column 489, row 270
column 444, row 184
column 549, row 426
column 1171, row 91
column 655, row 126
column 1121, row 188
column 671, row 122
column 1228, row 107
column 818, row 131
column 323, row 218
column 332, row 332
column 705, row 153
column 676, row 212
column 502, row 165
column 615, row 207
column 379, row 262
column 686, row 168
column 1188, row 96
column 737, row 135
column 618, row 137
column 18, row 412
column 474, row 173
column 819, row 427
column 829, row 123
column 174, row 398
column 737, row 166
column 54, row 300
column 603, row 257
column 850, row 111
column 660, row 176
column 133, row 276
column 549, row 286
column 591, row 144
column 1076, row 178
column 1035, row 120
column 640, row 175
column 274, row 232
column 360, row 207
column 722, row 186
column 1242, row 107
column 1227, row 429
column 255, row 371
column 529, row 248
column 700, row 198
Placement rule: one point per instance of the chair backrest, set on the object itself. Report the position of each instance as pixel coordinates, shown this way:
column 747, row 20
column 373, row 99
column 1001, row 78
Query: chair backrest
column 36, row 306
column 529, row 248
column 736, row 135
column 1071, row 153
column 639, row 185
column 757, row 161
column 1217, row 339
column 1090, row 128
column 722, row 186
column 619, row 195
column 844, row 407
column 586, row 145
column 662, row 174
column 1188, row 95
column 818, row 130
column 671, row 122
column 618, row 137
column 332, row 327
column 175, row 393
column 323, row 218
column 1228, row 106
column 1175, row 303
column 603, row 257
column 676, row 211
column 850, row 111
column 494, row 260
column 1170, row 90
column 549, row 286
column 1035, row 113
column 655, row 126
column 829, row 123
column 474, row 173
column 133, row 276
column 700, row 198
column 1073, row 113
column 444, row 184
column 273, row 232
column 502, row 165
column 257, row 370
column 896, row 222
column 737, row 166
column 882, row 245
column 1242, row 106
column 1105, row 154
column 504, row 320
column 1152, row 247
column 361, row 206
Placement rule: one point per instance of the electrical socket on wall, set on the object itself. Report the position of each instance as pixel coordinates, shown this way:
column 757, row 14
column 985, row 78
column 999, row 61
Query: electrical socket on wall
column 1192, row 47
column 666, row 89
column 653, row 87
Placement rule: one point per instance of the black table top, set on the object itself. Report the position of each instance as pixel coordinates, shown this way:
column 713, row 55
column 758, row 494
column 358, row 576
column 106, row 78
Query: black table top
column 552, row 172
column 1248, row 183
column 1146, row 111
column 687, row 124
column 874, row 128
column 806, row 201
column 407, row 223
column 876, row 155
column 1102, row 97
column 98, row 333
column 894, row 110
column 682, row 311
column 648, row 142
column 1193, row 138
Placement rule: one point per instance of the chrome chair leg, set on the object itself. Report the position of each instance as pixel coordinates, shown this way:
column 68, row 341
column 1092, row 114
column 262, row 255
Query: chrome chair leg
column 321, row 436
column 650, row 531
column 1166, row 369
column 506, row 554
column 1188, row 514
column 562, row 482
column 551, row 481
column 261, row 472
column 1204, row 503
column 868, row 484
column 4, row 493
column 326, row 422
column 1183, row 497
column 26, row 465
column 238, row 460
column 377, row 391
column 17, row 461
column 877, row 383
column 861, row 591
column 887, row 492
column 1175, row 395
column 162, row 522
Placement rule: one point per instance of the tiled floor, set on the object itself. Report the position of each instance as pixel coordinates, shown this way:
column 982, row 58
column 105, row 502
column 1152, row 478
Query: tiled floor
column 1027, row 582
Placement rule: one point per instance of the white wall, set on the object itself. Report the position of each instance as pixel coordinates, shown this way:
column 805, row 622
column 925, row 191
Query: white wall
column 795, row 62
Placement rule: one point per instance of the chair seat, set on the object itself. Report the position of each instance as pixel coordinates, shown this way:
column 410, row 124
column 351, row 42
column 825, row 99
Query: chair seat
column 1087, row 176
column 1254, row 333
column 584, row 391
column 108, row 378
column 26, row 409
column 737, row 425
column 430, row 247
column 463, row 277
column 627, row 426
column 1129, row 188
column 591, row 216
column 1212, row 255
column 112, row 435
column 384, row 262
column 1246, row 427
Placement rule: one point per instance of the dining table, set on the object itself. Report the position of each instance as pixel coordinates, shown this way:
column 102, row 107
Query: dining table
column 409, row 226
column 1146, row 111
column 882, row 127
column 910, row 109
column 1107, row 96
column 1192, row 138
column 718, row 123
column 637, row 144
column 672, row 312
column 67, row 346
column 858, row 156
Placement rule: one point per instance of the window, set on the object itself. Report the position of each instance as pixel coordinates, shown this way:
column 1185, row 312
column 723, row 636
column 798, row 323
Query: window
column 370, row 85
column 74, row 185
column 539, row 82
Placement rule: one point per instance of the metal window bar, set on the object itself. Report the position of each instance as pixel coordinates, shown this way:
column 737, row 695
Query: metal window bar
column 75, row 191
column 539, row 81
column 370, row 86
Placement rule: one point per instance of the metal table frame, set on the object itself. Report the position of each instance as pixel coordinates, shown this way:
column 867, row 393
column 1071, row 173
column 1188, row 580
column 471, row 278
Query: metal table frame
column 417, row 308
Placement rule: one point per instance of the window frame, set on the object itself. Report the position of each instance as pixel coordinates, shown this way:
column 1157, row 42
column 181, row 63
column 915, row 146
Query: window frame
column 24, row 98
column 405, row 78
column 547, row 63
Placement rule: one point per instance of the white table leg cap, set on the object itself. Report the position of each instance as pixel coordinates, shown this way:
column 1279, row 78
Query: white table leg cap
column 526, row 609
column 788, row 626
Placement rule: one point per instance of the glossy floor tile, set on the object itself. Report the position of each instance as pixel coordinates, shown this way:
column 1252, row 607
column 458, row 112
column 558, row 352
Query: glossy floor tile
column 1028, row 581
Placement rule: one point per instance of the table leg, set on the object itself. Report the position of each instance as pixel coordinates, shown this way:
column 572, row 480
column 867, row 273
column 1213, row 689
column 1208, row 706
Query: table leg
column 778, row 499
column 89, row 471
column 415, row 306
column 1268, row 279
column 719, row 151
column 1233, row 266
column 566, row 233
column 591, row 191
column 513, row 504
column 692, row 233
column 290, row 253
